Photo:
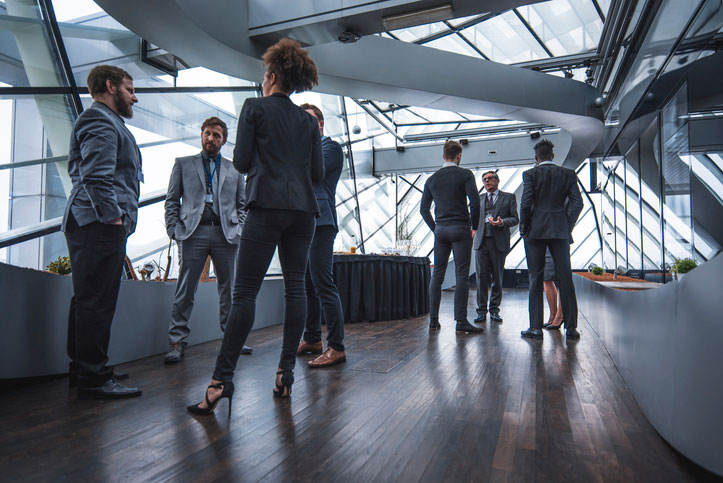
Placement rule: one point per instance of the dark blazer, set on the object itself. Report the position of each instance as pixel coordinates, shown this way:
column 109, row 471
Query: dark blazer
column 506, row 209
column 278, row 146
column 543, row 213
column 104, row 165
column 326, row 189
column 186, row 198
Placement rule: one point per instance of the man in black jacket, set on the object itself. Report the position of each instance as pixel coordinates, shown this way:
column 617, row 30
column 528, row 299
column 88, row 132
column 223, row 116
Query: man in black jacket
column 491, row 243
column 545, row 221
column 322, row 294
column 449, row 188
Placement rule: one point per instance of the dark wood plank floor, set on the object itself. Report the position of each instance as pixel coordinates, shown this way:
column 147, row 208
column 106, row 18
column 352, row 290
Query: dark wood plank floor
column 407, row 406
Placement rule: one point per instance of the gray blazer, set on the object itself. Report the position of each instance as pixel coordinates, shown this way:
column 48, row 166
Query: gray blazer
column 186, row 198
column 104, row 165
column 551, row 202
column 506, row 209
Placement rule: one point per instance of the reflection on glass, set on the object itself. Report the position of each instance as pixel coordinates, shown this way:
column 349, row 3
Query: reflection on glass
column 677, row 220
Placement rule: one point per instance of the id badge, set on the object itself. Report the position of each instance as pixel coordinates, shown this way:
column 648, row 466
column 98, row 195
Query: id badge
column 140, row 175
column 209, row 198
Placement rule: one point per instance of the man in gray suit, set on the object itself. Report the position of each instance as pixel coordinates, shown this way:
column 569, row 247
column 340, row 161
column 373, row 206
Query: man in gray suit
column 550, row 206
column 104, row 165
column 498, row 214
column 204, row 214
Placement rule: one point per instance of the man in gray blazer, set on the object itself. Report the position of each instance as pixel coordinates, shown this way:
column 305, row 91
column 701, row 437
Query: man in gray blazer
column 204, row 214
column 498, row 214
column 104, row 165
column 550, row 206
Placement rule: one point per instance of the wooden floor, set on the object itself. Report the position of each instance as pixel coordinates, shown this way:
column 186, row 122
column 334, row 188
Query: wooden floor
column 407, row 406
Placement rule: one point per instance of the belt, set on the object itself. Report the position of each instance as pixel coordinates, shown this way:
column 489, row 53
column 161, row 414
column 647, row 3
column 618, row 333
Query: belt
column 211, row 222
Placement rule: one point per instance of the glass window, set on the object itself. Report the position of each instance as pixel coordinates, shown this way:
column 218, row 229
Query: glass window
column 565, row 26
column 505, row 39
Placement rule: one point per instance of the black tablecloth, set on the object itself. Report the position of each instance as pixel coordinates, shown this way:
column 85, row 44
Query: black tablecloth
column 377, row 287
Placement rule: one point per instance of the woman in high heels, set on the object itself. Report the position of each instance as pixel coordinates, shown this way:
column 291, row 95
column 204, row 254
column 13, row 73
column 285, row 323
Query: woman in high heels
column 552, row 294
column 278, row 146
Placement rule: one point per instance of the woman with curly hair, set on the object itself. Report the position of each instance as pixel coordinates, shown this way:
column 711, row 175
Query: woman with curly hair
column 278, row 146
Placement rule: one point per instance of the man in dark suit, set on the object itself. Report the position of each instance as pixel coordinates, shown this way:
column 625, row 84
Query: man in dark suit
column 545, row 222
column 491, row 243
column 104, row 165
column 449, row 188
column 204, row 214
column 321, row 291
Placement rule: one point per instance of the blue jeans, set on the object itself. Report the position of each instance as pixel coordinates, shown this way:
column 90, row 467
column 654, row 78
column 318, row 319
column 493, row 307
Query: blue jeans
column 264, row 230
column 321, row 291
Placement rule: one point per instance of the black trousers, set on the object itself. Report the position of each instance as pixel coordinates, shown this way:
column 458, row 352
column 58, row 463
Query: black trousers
column 264, row 230
column 560, row 251
column 321, row 291
column 97, row 252
column 489, row 260
column 448, row 239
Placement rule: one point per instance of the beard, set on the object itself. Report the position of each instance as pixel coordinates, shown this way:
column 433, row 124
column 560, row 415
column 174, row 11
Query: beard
column 125, row 109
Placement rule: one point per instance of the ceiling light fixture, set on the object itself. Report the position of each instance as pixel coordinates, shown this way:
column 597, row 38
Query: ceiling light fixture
column 420, row 17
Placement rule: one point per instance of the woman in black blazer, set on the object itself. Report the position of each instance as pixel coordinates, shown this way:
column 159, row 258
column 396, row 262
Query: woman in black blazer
column 279, row 147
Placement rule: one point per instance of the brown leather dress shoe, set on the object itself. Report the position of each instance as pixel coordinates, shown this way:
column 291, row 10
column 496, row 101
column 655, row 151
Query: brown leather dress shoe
column 306, row 348
column 328, row 358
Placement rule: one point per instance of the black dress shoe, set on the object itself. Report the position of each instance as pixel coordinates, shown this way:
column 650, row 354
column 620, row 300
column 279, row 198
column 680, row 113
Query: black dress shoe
column 480, row 318
column 495, row 317
column 434, row 324
column 464, row 326
column 76, row 380
column 246, row 350
column 532, row 333
column 572, row 334
column 110, row 389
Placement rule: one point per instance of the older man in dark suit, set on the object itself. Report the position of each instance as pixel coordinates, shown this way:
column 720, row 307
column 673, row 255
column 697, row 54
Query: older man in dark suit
column 547, row 222
column 104, row 164
column 322, row 295
column 491, row 244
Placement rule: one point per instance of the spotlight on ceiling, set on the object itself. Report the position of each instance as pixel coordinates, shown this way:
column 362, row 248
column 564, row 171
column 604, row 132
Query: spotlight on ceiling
column 464, row 141
column 356, row 130
column 569, row 74
column 400, row 148
column 419, row 17
column 535, row 135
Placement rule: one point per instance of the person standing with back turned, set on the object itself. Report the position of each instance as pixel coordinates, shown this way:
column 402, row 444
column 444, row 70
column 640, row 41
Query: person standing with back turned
column 278, row 145
column 449, row 188
column 321, row 291
column 546, row 221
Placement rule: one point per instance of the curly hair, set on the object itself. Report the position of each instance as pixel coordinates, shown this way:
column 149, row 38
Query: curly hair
column 292, row 65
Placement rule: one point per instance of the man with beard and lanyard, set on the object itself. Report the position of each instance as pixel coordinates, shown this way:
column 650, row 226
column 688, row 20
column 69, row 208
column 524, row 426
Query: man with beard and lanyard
column 205, row 212
column 104, row 165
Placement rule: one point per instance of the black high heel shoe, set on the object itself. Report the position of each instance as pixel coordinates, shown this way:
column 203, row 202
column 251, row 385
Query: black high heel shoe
column 287, row 379
column 226, row 393
column 553, row 326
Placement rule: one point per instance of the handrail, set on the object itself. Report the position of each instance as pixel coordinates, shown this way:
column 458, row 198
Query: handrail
column 47, row 227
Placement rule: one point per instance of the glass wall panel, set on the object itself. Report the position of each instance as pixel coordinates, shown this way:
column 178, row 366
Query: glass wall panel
column 621, row 246
column 632, row 196
column 565, row 26
column 650, row 197
column 677, row 217
column 607, row 212
column 707, row 199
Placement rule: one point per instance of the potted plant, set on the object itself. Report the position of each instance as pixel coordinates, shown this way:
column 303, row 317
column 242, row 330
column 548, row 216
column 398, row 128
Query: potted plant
column 597, row 271
column 683, row 266
column 405, row 239
column 60, row 266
